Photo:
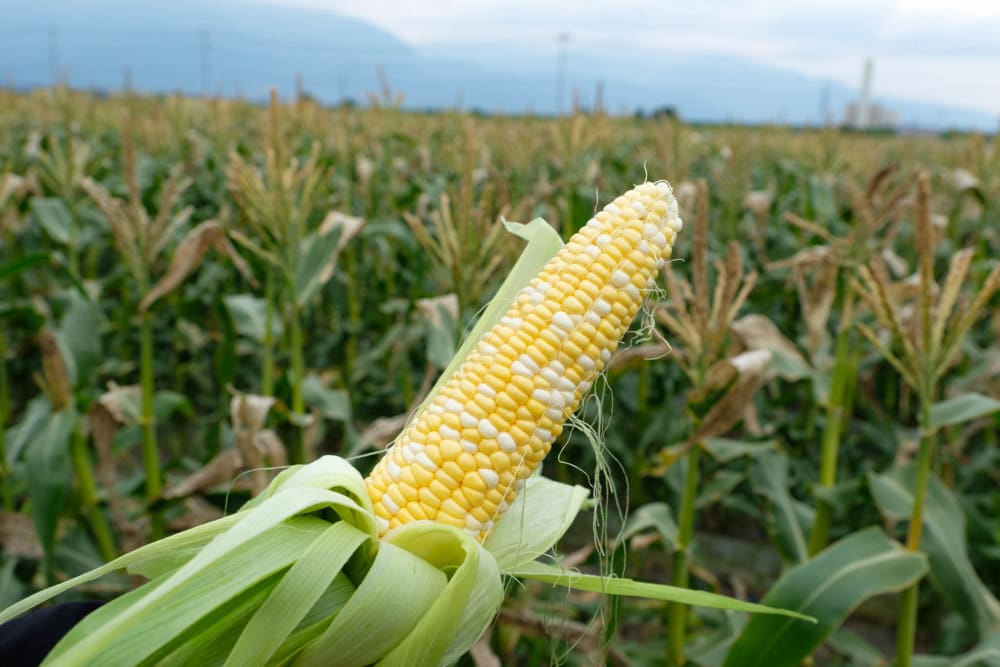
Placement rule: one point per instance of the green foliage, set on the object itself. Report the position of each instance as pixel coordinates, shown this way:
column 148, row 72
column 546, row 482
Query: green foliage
column 340, row 236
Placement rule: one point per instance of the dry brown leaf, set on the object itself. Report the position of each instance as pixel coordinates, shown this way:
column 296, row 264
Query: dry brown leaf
column 433, row 308
column 122, row 403
column 185, row 260
column 18, row 537
column 758, row 332
column 482, row 655
column 103, row 426
column 749, row 369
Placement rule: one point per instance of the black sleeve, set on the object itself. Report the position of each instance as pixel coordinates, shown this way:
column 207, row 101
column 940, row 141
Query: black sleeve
column 26, row 640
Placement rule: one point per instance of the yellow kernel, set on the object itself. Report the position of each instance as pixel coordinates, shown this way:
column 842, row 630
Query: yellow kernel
column 482, row 461
column 500, row 461
column 428, row 498
column 467, row 462
column 450, row 450
column 459, row 498
column 416, row 510
column 447, row 481
column 404, row 516
column 481, row 513
column 472, row 480
column 444, row 517
column 505, row 401
column 453, row 470
column 484, row 402
column 450, row 507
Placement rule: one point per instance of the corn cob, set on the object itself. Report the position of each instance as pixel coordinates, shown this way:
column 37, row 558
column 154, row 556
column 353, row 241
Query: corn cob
column 462, row 460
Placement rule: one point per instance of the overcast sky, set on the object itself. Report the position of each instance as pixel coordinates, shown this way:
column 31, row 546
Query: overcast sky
column 942, row 51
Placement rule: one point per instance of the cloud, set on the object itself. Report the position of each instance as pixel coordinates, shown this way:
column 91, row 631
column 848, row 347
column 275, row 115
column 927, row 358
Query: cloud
column 959, row 40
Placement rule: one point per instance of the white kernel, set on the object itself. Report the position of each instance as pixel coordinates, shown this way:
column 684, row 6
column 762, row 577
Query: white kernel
column 529, row 363
column 602, row 240
column 512, row 322
column 612, row 209
column 382, row 524
column 550, row 376
column 605, row 355
column 487, row 349
column 660, row 240
column 490, row 477
column 619, row 278
column 520, row 369
column 585, row 362
column 471, row 532
column 487, row 429
column 426, row 462
column 473, row 524
column 558, row 332
column 469, row 446
column 506, row 442
column 568, row 397
column 644, row 248
column 592, row 317
column 633, row 292
column 563, row 321
column 448, row 433
column 393, row 468
column 537, row 297
column 435, row 409
column 649, row 231
column 638, row 206
column 451, row 405
column 601, row 307
column 565, row 384
column 555, row 414
column 557, row 367
column 467, row 420
column 408, row 455
column 543, row 396
column 503, row 506
column 592, row 251
column 519, row 484
column 543, row 287
column 389, row 504
column 544, row 434
column 486, row 390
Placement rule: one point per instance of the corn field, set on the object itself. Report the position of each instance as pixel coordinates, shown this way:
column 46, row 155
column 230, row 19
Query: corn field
column 199, row 293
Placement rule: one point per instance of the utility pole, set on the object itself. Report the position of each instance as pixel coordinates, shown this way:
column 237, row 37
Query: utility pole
column 563, row 39
column 206, row 63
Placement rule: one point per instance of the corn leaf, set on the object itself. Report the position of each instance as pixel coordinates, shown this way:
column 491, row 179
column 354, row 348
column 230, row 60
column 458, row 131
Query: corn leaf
column 827, row 587
column 552, row 574
column 962, row 409
column 48, row 475
column 944, row 541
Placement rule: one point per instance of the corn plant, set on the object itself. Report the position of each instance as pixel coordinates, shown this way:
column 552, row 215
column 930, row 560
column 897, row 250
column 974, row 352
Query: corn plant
column 930, row 342
column 722, row 386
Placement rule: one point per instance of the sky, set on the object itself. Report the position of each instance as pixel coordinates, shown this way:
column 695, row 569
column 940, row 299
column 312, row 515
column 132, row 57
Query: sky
column 941, row 51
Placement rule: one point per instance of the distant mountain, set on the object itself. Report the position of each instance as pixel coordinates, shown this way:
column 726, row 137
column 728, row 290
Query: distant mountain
column 231, row 47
